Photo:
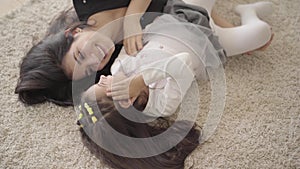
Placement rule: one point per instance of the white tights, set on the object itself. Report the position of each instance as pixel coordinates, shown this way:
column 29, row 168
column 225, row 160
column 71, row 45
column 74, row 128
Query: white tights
column 252, row 34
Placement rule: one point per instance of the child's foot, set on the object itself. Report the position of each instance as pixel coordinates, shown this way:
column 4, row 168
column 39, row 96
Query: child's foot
column 262, row 9
column 263, row 47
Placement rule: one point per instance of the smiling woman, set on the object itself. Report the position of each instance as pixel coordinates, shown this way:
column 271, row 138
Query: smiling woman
column 89, row 52
column 42, row 75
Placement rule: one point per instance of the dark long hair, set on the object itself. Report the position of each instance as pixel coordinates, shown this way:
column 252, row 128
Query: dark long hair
column 93, row 133
column 62, row 21
column 41, row 75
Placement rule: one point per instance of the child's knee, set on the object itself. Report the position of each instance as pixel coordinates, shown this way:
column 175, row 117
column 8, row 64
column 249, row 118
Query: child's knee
column 264, row 32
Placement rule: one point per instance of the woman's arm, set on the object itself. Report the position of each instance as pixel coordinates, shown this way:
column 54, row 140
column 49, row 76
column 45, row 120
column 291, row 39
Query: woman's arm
column 132, row 28
column 137, row 6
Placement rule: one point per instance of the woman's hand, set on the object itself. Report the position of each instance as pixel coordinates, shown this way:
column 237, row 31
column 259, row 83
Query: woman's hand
column 125, row 87
column 132, row 28
column 133, row 42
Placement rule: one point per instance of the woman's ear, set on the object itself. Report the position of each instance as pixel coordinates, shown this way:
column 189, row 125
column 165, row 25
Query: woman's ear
column 74, row 32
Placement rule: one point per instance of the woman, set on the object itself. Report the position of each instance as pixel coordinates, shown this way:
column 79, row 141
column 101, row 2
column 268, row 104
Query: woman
column 41, row 78
column 37, row 85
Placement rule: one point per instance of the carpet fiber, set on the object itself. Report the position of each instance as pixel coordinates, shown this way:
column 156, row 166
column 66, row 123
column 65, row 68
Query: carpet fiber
column 260, row 127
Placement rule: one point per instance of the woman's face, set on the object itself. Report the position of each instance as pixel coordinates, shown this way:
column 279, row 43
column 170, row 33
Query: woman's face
column 89, row 52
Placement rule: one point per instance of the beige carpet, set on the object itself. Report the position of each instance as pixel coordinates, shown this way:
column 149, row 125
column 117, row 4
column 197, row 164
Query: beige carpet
column 260, row 127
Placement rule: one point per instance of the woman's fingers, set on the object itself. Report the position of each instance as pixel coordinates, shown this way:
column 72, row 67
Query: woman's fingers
column 133, row 44
column 134, row 49
column 139, row 42
column 126, row 45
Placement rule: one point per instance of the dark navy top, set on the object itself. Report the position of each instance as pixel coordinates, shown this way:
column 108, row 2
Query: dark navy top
column 90, row 7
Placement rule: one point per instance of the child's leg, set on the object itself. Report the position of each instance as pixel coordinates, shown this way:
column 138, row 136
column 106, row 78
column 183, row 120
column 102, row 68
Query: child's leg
column 218, row 20
column 209, row 6
column 251, row 35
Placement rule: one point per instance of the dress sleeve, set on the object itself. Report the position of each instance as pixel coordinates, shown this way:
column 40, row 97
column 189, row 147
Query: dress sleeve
column 164, row 102
column 178, row 66
column 177, row 72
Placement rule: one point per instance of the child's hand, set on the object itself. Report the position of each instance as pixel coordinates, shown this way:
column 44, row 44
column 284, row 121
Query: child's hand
column 133, row 42
column 125, row 87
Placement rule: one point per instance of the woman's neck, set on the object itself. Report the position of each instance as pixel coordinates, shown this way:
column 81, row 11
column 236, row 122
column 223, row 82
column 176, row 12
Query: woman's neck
column 110, row 23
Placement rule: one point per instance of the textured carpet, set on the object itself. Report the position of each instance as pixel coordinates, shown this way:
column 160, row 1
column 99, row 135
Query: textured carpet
column 260, row 127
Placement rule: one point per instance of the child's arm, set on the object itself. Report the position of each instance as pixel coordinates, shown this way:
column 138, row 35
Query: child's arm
column 161, row 102
column 132, row 27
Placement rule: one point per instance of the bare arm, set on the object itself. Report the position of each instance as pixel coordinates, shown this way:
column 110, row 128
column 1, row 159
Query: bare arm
column 132, row 28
